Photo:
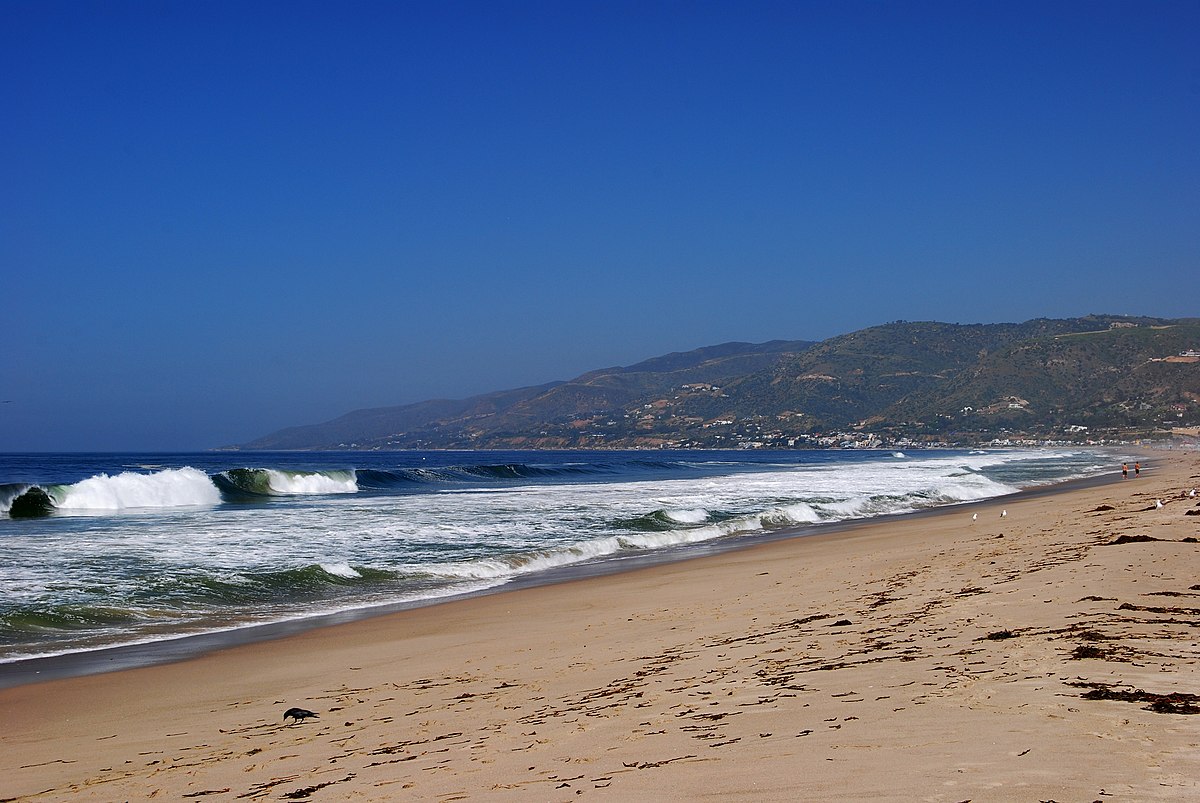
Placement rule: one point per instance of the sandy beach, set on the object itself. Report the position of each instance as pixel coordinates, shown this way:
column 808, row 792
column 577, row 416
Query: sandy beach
column 1046, row 654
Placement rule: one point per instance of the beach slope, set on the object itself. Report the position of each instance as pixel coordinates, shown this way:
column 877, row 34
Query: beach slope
column 1049, row 653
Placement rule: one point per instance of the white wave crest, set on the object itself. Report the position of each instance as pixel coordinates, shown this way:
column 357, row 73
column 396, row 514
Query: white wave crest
column 176, row 487
column 340, row 570
column 963, row 488
column 508, row 566
column 694, row 516
column 969, row 488
column 796, row 513
column 672, row 538
column 503, row 568
column 8, row 494
column 296, row 482
column 864, row 507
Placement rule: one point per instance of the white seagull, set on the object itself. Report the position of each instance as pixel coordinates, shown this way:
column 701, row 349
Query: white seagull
column 1003, row 513
column 974, row 516
column 1158, row 503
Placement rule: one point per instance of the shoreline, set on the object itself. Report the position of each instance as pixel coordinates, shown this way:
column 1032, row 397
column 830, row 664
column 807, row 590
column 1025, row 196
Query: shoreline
column 1046, row 654
column 183, row 647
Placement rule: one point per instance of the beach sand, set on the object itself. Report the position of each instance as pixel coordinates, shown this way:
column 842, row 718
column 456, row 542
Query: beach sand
column 1026, row 657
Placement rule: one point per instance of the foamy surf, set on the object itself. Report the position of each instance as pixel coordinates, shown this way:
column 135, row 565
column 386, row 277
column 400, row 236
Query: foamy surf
column 267, row 482
column 693, row 516
column 169, row 488
column 341, row 570
column 297, row 482
column 219, row 547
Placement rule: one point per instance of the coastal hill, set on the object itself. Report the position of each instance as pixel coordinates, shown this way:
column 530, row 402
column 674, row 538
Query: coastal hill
column 1100, row 376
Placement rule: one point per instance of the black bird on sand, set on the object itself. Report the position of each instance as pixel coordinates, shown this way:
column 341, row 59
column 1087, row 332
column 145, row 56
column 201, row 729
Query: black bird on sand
column 298, row 714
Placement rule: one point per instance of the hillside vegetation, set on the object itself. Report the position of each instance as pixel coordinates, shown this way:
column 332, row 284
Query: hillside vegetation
column 1075, row 379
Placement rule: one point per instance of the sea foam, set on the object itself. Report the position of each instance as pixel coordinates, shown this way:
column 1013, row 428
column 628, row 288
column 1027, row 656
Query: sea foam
column 341, row 570
column 692, row 516
column 258, row 544
column 295, row 482
column 178, row 487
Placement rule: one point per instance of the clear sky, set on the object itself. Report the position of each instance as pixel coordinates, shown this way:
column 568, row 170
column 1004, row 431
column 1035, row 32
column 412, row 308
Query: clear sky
column 218, row 219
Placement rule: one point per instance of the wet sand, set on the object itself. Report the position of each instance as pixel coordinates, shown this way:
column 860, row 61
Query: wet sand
column 1047, row 654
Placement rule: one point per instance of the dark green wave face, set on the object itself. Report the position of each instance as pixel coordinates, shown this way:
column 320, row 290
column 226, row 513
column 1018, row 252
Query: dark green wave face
column 304, row 582
column 185, row 598
column 19, row 624
column 32, row 503
column 658, row 521
column 256, row 483
column 251, row 482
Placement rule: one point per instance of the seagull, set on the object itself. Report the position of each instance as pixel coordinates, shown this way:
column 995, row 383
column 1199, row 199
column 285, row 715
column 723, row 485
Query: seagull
column 974, row 516
column 1158, row 503
column 1192, row 492
column 298, row 714
column 1003, row 513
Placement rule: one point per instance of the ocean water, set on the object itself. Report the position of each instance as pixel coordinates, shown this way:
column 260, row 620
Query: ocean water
column 99, row 550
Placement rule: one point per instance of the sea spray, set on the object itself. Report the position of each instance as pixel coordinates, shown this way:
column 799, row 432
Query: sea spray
column 299, row 482
column 169, row 488
column 254, row 482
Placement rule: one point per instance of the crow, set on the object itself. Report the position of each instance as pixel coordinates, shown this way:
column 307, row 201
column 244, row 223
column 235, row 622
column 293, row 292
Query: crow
column 298, row 714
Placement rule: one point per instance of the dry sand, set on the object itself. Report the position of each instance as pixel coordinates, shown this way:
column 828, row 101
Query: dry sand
column 924, row 658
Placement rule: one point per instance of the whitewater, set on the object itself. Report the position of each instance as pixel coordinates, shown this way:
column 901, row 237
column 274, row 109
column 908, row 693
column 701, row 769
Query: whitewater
column 107, row 550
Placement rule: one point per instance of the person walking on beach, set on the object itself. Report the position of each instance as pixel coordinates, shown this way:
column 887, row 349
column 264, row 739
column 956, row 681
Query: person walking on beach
column 1137, row 469
column 1124, row 471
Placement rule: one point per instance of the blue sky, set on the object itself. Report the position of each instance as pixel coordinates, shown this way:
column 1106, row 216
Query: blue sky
column 222, row 218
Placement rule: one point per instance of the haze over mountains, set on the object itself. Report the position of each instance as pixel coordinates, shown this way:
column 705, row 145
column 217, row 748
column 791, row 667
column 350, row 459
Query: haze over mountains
column 1077, row 379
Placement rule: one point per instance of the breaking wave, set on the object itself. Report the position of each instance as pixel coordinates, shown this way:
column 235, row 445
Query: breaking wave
column 21, row 500
column 156, row 487
column 272, row 482
column 170, row 488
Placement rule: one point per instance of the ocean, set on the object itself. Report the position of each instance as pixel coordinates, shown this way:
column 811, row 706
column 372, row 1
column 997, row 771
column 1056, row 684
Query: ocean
column 103, row 550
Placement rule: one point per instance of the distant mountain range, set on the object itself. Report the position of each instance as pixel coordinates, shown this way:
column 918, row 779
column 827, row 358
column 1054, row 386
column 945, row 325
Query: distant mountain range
column 1071, row 379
